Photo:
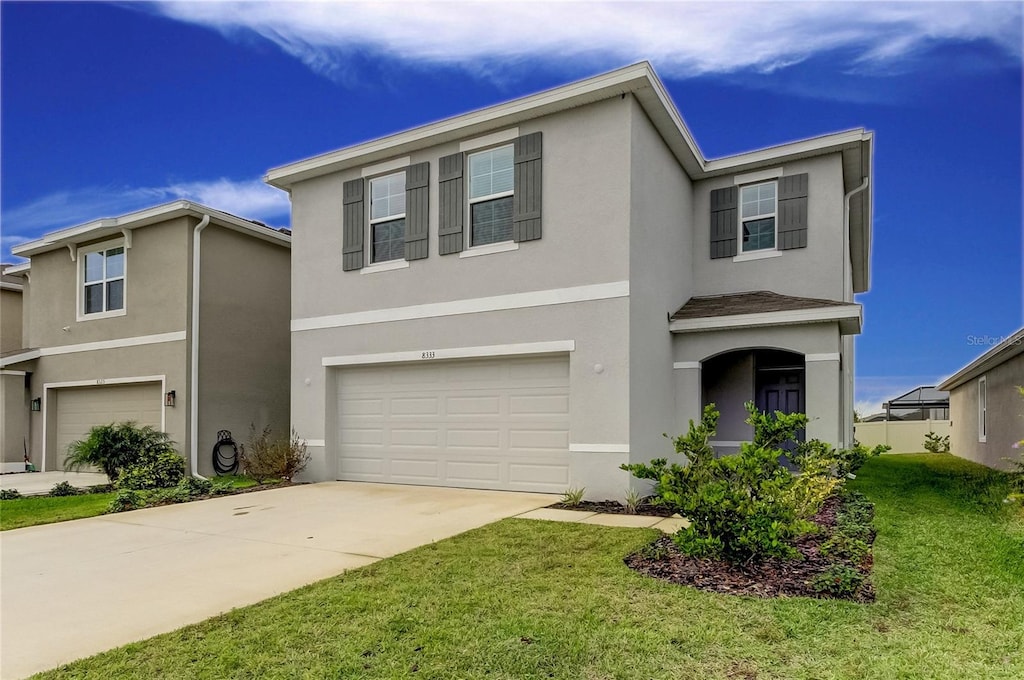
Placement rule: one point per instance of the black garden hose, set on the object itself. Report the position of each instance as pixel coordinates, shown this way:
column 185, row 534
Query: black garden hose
column 225, row 462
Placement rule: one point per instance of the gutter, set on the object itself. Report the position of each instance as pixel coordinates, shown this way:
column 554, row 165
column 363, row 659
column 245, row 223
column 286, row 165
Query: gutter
column 193, row 400
column 848, row 280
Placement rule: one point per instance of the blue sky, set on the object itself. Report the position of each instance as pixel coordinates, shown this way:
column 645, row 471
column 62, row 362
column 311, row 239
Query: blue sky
column 111, row 107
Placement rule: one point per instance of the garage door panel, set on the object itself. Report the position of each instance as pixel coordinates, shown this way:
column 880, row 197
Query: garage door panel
column 430, row 438
column 477, row 405
column 467, row 471
column 535, row 404
column 487, row 423
column 415, row 406
column 530, row 475
column 545, row 440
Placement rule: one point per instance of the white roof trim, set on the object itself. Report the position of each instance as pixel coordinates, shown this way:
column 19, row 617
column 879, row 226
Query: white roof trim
column 850, row 318
column 17, row 287
column 141, row 218
column 18, row 358
column 1007, row 349
column 18, row 268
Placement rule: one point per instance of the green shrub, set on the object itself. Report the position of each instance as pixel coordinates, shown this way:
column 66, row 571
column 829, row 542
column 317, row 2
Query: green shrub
column 220, row 487
column 155, row 470
column 263, row 458
column 102, row 488
column 849, row 461
column 116, row 447
column 839, row 580
column 9, row 494
column 633, row 500
column 936, row 444
column 845, row 547
column 126, row 499
column 573, row 497
column 64, row 489
column 195, row 486
column 741, row 507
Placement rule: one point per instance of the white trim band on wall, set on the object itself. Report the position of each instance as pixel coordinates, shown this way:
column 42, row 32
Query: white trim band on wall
column 539, row 298
column 316, row 443
column 831, row 356
column 599, row 448
column 686, row 364
column 452, row 353
column 386, row 166
column 113, row 344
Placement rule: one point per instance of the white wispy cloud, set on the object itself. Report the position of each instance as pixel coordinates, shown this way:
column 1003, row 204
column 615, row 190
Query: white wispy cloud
column 247, row 198
column 681, row 38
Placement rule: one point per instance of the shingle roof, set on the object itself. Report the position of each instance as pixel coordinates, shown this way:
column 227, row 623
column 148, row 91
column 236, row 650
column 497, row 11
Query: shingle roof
column 754, row 302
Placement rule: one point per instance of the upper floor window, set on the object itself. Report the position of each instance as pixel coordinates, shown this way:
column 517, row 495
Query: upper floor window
column 757, row 216
column 491, row 190
column 102, row 279
column 387, row 218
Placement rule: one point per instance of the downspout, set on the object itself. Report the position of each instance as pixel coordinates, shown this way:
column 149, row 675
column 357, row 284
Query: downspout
column 848, row 280
column 193, row 400
column 848, row 435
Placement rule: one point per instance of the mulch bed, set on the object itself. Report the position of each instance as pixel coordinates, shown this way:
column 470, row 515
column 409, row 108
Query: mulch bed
column 615, row 508
column 772, row 577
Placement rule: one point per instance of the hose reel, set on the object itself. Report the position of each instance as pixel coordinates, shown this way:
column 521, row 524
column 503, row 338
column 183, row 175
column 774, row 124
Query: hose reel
column 225, row 454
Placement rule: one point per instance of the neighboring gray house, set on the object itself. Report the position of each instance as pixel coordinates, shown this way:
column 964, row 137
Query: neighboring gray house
column 175, row 316
column 986, row 409
column 527, row 296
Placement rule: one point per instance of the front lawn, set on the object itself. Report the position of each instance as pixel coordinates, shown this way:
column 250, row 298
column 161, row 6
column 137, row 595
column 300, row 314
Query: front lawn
column 32, row 510
column 529, row 599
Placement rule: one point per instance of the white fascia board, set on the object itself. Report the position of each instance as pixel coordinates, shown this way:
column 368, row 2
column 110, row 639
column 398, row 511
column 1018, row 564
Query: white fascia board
column 20, row 357
column 782, row 153
column 1007, row 349
column 425, row 355
column 113, row 225
column 639, row 79
column 16, row 287
column 18, row 268
column 847, row 315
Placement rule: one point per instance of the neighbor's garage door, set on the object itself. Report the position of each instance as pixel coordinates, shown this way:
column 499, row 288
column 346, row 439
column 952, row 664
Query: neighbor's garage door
column 80, row 408
column 486, row 424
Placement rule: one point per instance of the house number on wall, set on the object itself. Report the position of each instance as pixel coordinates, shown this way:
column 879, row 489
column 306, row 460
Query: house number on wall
column 427, row 355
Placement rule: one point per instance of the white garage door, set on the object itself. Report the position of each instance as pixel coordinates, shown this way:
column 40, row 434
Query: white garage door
column 81, row 408
column 485, row 424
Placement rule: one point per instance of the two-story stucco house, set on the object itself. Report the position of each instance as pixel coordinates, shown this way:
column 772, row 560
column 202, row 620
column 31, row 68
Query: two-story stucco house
column 175, row 316
column 527, row 296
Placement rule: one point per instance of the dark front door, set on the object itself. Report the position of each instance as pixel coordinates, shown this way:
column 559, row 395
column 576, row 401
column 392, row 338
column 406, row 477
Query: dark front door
column 782, row 389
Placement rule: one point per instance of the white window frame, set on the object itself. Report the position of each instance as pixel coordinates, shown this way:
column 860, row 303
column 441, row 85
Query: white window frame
column 982, row 409
column 80, row 254
column 486, row 248
column 381, row 265
column 745, row 254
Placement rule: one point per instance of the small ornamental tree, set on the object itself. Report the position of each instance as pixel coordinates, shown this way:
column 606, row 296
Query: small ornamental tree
column 116, row 447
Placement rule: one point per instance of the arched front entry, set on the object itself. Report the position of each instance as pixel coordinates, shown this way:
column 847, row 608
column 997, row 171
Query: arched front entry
column 773, row 379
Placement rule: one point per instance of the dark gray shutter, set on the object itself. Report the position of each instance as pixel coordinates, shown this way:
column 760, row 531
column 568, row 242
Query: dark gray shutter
column 526, row 203
column 417, row 201
column 353, row 225
column 452, row 209
column 723, row 222
column 792, row 228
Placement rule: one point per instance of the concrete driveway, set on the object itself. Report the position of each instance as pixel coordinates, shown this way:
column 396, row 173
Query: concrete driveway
column 77, row 588
column 38, row 483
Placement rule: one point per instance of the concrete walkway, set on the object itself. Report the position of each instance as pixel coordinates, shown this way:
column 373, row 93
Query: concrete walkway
column 77, row 588
column 39, row 483
column 669, row 525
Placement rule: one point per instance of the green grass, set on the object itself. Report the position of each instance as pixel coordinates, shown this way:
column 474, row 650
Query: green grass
column 32, row 510
column 527, row 599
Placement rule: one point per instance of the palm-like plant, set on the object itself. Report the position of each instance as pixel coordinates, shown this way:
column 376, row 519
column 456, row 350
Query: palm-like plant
column 117, row 446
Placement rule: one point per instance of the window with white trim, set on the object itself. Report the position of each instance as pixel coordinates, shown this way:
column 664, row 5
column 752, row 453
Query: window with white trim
column 387, row 218
column 982, row 409
column 491, row 190
column 757, row 216
column 102, row 279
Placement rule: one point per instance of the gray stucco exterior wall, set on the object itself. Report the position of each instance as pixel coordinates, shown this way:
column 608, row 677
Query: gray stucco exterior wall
column 244, row 338
column 660, row 282
column 1005, row 419
column 10, row 320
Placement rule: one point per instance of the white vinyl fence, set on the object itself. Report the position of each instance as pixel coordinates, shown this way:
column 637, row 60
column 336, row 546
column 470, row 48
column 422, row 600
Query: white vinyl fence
column 904, row 436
